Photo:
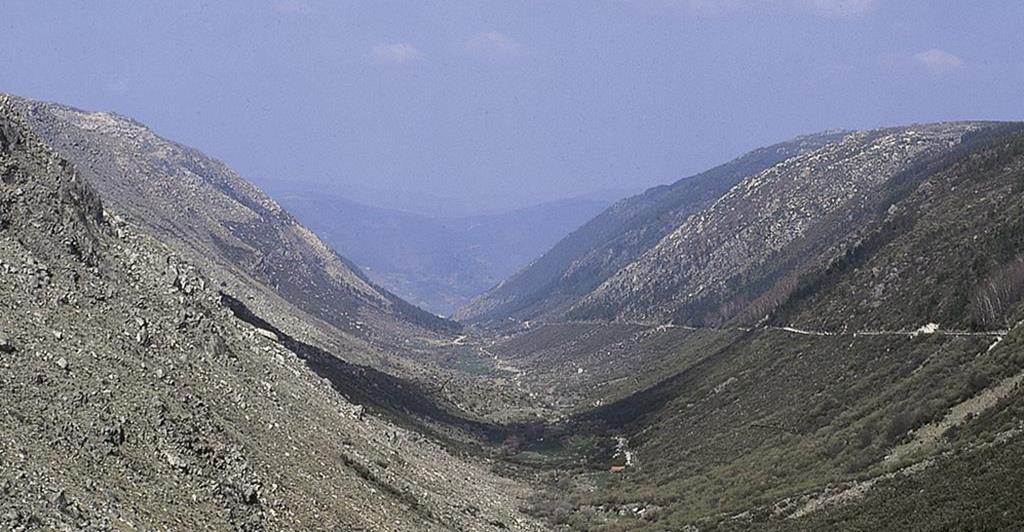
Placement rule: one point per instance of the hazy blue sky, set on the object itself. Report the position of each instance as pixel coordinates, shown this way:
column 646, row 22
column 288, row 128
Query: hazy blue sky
column 514, row 99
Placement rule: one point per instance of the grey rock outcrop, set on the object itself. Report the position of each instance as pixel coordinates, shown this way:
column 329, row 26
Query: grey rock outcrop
column 6, row 343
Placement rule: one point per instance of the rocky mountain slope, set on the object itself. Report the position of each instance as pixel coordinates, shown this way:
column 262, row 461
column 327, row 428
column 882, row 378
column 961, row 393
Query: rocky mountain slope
column 260, row 255
column 947, row 250
column 884, row 379
column 580, row 262
column 218, row 220
column 743, row 254
column 826, row 334
column 437, row 262
column 134, row 397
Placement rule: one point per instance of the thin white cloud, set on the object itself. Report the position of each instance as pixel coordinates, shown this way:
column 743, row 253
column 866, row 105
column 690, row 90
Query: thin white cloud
column 493, row 44
column 694, row 7
column 842, row 8
column 399, row 53
column 717, row 7
column 292, row 7
column 828, row 8
column 939, row 61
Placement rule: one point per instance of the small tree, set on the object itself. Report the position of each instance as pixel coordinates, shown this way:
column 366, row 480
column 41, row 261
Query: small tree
column 994, row 298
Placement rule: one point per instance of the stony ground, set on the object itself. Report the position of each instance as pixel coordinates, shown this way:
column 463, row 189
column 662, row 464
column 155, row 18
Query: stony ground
column 133, row 399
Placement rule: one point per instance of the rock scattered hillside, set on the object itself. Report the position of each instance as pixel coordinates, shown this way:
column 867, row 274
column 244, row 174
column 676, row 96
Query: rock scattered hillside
column 882, row 381
column 134, row 398
column 580, row 262
column 211, row 215
column 949, row 251
column 742, row 256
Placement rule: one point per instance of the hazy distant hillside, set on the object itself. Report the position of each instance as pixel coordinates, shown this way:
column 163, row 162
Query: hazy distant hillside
column 438, row 263
column 464, row 205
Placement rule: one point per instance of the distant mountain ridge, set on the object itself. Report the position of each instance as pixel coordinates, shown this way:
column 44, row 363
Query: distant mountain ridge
column 438, row 262
column 427, row 204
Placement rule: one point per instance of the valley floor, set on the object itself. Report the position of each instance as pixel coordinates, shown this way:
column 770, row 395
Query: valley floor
column 639, row 426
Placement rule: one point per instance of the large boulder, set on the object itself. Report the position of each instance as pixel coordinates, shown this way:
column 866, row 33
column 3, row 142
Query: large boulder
column 6, row 343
